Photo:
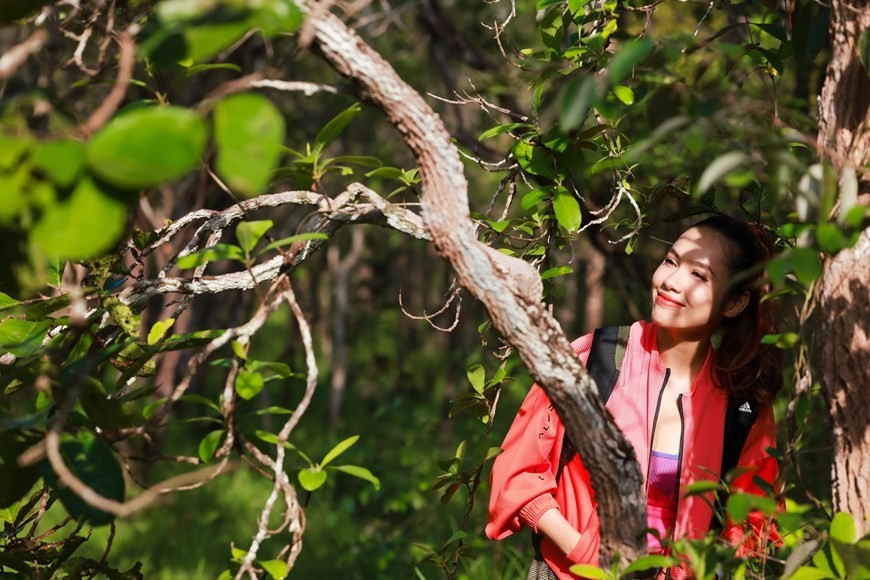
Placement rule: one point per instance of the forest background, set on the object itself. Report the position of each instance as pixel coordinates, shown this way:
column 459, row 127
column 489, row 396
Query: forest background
column 191, row 388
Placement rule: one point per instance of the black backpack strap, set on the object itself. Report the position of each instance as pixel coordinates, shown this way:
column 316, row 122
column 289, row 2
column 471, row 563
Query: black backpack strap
column 604, row 365
column 740, row 416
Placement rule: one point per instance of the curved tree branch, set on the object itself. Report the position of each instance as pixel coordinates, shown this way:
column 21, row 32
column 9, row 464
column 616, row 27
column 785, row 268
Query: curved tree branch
column 509, row 289
column 358, row 204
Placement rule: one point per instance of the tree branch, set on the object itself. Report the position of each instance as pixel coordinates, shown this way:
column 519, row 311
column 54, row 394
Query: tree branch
column 509, row 288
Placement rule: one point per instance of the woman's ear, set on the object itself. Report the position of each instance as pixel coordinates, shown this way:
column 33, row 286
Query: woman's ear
column 736, row 305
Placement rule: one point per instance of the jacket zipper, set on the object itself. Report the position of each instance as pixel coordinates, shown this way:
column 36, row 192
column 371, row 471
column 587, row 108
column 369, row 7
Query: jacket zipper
column 680, row 456
column 655, row 421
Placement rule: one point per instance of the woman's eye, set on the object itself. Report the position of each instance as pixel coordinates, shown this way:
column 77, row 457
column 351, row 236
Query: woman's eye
column 700, row 276
column 669, row 261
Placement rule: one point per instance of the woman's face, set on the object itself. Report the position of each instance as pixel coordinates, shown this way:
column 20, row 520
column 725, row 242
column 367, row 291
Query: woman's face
column 689, row 286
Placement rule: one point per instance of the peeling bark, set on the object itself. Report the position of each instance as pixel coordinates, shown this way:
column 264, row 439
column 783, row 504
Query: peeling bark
column 509, row 288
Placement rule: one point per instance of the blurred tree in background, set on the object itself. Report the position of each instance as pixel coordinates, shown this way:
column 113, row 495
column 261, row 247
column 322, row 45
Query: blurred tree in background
column 191, row 389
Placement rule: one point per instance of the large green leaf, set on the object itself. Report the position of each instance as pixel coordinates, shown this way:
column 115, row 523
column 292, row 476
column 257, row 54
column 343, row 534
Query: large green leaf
column 249, row 131
column 92, row 460
column 85, row 224
column 61, row 161
column 147, row 146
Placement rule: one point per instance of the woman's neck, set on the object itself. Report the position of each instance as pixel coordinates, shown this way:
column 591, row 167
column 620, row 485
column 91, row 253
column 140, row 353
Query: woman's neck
column 684, row 356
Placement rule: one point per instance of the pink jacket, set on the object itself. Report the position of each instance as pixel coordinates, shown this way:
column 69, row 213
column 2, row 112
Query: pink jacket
column 523, row 476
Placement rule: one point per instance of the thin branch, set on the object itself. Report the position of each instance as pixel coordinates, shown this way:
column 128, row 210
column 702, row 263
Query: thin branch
column 15, row 56
column 126, row 60
column 281, row 481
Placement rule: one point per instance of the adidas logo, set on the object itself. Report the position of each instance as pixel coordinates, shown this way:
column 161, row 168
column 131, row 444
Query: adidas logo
column 745, row 407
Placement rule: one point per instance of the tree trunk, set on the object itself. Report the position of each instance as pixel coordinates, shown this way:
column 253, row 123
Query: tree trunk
column 509, row 288
column 844, row 337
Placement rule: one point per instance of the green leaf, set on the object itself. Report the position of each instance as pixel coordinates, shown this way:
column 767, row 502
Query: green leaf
column 630, row 55
column 534, row 197
column 249, row 384
column 334, row 128
column 212, row 254
column 624, row 94
column 832, row 239
column 159, row 330
column 567, row 209
column 249, row 132
column 575, row 99
column 807, row 266
column 387, row 173
column 589, row 571
column 7, row 301
column 506, row 128
column 56, row 266
column 311, row 479
column 477, row 377
column 554, row 272
column 807, row 573
column 277, row 569
column 533, row 159
column 22, row 337
column 92, row 460
column 61, row 161
column 198, row 68
column 359, row 472
column 648, row 562
column 338, row 450
column 774, row 30
column 719, row 168
column 146, row 147
column 843, row 528
column 307, row 237
column 87, row 223
column 249, row 233
column 12, row 149
column 209, row 445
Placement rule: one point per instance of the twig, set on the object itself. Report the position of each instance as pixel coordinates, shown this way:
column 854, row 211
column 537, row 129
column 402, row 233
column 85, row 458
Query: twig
column 15, row 56
column 281, row 480
column 126, row 60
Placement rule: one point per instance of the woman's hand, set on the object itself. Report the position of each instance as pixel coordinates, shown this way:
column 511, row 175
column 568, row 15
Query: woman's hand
column 554, row 526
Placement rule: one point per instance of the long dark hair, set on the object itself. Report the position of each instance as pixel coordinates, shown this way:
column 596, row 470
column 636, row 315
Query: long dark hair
column 742, row 365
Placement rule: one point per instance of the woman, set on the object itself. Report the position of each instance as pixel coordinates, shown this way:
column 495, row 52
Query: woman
column 670, row 402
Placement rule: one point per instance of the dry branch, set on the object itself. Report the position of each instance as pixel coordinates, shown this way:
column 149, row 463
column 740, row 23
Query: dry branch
column 509, row 289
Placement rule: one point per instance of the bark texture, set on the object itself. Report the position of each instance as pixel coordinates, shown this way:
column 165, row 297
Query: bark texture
column 509, row 288
column 844, row 313
column 844, row 339
column 844, row 107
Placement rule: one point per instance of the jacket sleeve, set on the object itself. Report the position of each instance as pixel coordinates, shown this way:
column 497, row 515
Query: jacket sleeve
column 752, row 535
column 523, row 477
